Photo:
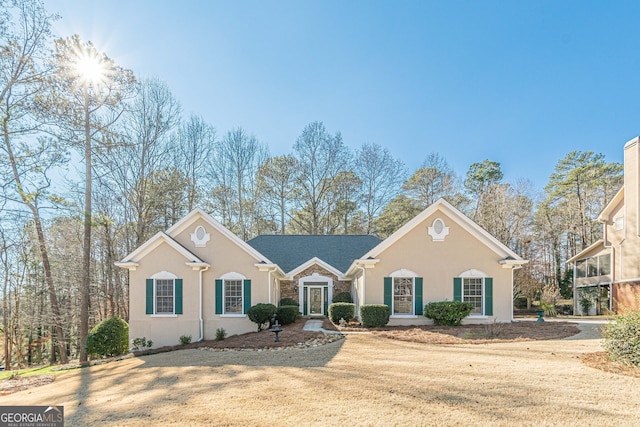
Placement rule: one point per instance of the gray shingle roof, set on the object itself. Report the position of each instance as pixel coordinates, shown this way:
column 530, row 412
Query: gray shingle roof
column 291, row 251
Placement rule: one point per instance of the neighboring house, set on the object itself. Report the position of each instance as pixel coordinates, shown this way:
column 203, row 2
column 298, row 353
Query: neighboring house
column 198, row 276
column 607, row 273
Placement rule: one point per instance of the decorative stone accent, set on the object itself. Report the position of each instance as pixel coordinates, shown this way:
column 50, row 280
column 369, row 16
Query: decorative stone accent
column 288, row 288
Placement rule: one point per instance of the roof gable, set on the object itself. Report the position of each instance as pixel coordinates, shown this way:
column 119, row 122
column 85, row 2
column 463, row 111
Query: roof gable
column 198, row 213
column 158, row 239
column 459, row 218
column 617, row 199
column 598, row 244
column 293, row 251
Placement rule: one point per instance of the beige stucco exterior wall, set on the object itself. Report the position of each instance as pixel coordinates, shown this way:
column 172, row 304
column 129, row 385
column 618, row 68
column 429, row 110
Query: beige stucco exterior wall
column 438, row 262
column 224, row 256
column 163, row 330
column 629, row 250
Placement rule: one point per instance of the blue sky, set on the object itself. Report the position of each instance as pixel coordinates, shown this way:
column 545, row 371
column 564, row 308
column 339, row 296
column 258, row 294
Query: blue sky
column 519, row 82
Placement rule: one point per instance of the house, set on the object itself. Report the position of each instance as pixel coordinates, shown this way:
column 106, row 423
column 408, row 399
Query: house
column 198, row 276
column 607, row 273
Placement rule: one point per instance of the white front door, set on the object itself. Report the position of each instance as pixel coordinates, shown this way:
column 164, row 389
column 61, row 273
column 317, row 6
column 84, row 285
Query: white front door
column 316, row 300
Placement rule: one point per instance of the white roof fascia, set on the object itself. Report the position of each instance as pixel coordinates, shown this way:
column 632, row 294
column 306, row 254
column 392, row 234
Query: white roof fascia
column 462, row 220
column 128, row 265
column 588, row 249
column 266, row 267
column 198, row 265
column 512, row 263
column 153, row 243
column 192, row 216
column 604, row 215
column 366, row 263
column 316, row 260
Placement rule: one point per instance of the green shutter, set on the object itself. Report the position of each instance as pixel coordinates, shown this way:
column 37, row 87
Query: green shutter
column 304, row 301
column 418, row 307
column 488, row 296
column 149, row 296
column 247, row 295
column 178, row 296
column 457, row 288
column 388, row 292
column 218, row 296
column 326, row 300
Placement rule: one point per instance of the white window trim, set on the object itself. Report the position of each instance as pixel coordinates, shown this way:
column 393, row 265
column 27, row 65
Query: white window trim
column 200, row 242
column 444, row 232
column 163, row 275
column 403, row 273
column 232, row 276
column 476, row 274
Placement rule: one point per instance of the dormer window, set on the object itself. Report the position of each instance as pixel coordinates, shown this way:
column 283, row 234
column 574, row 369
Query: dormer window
column 200, row 237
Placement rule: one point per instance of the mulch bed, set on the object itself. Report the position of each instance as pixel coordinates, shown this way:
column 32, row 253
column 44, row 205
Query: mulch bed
column 14, row 384
column 291, row 336
column 475, row 334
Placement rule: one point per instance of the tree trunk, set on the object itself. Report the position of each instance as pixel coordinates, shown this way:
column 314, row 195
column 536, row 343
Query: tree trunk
column 86, row 250
column 42, row 246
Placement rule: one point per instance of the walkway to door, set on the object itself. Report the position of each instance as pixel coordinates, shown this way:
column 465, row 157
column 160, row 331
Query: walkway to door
column 315, row 325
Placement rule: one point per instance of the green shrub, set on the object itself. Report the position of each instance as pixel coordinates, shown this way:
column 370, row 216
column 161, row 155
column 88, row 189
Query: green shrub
column 141, row 343
column 622, row 338
column 185, row 339
column 342, row 310
column 262, row 314
column 288, row 301
column 343, row 297
column 447, row 313
column 108, row 338
column 287, row 314
column 220, row 334
column 374, row 315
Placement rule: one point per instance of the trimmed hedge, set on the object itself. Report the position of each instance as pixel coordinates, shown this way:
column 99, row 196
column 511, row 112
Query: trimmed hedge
column 622, row 338
column 262, row 314
column 343, row 297
column 342, row 310
column 287, row 314
column 447, row 313
column 108, row 338
column 287, row 301
column 374, row 315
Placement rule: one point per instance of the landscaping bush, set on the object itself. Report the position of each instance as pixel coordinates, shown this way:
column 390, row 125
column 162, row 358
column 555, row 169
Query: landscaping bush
column 342, row 310
column 287, row 314
column 262, row 314
column 622, row 338
column 447, row 313
column 288, row 301
column 374, row 315
column 185, row 339
column 141, row 344
column 220, row 334
column 343, row 297
column 108, row 338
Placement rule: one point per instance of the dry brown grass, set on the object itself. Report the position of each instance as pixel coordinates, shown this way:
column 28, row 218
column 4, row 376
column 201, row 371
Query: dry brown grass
column 364, row 379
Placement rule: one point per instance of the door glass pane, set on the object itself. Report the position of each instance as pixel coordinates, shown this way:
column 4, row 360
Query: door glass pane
column 315, row 297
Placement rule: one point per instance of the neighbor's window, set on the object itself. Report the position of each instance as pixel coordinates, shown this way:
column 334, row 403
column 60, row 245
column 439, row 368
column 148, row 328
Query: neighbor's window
column 233, row 296
column 472, row 292
column 403, row 295
column 164, row 296
column 594, row 266
column 604, row 265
